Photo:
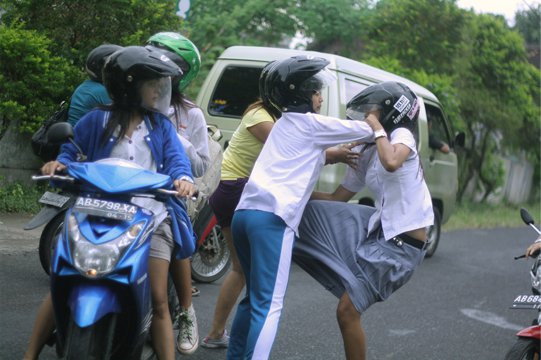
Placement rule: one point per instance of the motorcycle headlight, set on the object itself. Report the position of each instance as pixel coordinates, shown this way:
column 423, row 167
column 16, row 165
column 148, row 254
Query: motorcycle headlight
column 94, row 260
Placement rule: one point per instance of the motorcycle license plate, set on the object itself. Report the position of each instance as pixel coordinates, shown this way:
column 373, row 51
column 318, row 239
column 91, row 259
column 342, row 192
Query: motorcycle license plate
column 54, row 199
column 527, row 302
column 105, row 208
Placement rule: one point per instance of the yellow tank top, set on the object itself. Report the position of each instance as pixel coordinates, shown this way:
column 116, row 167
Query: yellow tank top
column 244, row 148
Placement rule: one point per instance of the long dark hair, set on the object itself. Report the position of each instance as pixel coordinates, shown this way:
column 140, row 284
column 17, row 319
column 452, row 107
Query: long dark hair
column 180, row 101
column 121, row 116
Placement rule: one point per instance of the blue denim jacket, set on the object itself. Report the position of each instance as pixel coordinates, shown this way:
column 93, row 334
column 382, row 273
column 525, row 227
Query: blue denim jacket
column 166, row 150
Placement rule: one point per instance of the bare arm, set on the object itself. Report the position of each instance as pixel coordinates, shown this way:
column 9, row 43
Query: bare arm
column 342, row 154
column 340, row 194
column 391, row 156
column 261, row 131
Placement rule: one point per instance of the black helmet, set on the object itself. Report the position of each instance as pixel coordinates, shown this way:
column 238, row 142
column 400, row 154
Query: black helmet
column 292, row 82
column 127, row 70
column 96, row 59
column 264, row 91
column 398, row 105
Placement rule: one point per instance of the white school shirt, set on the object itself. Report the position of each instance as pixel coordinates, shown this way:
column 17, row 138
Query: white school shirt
column 192, row 132
column 402, row 199
column 291, row 160
column 135, row 149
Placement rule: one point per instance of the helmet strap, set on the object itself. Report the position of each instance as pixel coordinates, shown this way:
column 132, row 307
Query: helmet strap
column 301, row 108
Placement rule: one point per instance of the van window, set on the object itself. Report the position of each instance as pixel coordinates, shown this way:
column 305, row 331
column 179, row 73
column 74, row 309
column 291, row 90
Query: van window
column 353, row 88
column 437, row 126
column 237, row 88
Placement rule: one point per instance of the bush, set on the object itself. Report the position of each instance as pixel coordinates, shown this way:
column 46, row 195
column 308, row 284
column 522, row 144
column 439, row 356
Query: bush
column 18, row 198
column 33, row 81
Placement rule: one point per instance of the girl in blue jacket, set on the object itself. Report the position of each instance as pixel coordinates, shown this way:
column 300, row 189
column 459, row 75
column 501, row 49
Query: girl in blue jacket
column 133, row 128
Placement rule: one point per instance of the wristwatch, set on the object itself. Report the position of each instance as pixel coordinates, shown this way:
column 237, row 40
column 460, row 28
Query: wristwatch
column 379, row 134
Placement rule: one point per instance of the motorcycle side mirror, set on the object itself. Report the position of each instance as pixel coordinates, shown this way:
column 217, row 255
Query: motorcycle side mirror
column 526, row 217
column 59, row 133
column 62, row 132
column 528, row 220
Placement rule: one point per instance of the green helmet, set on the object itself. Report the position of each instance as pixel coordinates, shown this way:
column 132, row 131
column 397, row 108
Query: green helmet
column 182, row 51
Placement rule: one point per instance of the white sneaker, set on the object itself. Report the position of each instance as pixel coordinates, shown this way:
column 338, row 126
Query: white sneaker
column 188, row 334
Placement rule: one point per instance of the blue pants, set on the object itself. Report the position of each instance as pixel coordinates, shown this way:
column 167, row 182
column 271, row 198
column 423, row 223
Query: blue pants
column 264, row 244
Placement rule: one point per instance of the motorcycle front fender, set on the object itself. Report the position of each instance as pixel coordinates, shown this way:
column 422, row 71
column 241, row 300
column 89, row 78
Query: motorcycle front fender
column 90, row 302
column 532, row 332
column 46, row 214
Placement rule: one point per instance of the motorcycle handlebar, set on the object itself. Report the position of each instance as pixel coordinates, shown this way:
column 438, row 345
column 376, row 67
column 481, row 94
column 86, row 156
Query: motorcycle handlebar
column 71, row 180
column 533, row 255
column 174, row 193
column 53, row 177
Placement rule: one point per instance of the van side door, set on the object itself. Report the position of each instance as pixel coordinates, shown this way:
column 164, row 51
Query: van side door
column 440, row 168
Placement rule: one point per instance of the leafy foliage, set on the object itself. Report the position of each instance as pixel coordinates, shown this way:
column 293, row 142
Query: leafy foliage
column 421, row 34
column 77, row 27
column 335, row 26
column 528, row 23
column 32, row 79
column 497, row 90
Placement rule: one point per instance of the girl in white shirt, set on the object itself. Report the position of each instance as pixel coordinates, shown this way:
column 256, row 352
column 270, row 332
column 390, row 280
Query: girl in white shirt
column 266, row 219
column 363, row 254
column 192, row 131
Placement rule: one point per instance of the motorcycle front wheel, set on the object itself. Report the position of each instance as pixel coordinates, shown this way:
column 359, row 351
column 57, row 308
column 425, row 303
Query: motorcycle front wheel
column 211, row 261
column 91, row 343
column 524, row 349
column 48, row 239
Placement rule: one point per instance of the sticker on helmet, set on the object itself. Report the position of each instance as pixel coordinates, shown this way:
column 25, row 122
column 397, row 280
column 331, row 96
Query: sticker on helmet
column 402, row 113
column 401, row 104
column 414, row 109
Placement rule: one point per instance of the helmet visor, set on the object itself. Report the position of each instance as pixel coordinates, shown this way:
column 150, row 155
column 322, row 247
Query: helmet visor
column 155, row 94
column 318, row 81
column 360, row 112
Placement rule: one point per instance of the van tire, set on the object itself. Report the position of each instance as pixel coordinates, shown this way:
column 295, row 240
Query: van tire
column 433, row 234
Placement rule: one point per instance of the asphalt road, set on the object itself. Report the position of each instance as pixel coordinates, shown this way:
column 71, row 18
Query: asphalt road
column 455, row 307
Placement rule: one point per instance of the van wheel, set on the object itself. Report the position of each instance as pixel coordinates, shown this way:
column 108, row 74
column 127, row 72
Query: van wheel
column 433, row 233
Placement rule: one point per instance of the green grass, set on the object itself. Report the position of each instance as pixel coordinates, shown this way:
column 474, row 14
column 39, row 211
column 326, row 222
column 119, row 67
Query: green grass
column 16, row 197
column 475, row 216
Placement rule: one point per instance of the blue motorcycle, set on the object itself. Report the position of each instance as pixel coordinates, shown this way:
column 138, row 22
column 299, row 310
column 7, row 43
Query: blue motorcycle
column 99, row 280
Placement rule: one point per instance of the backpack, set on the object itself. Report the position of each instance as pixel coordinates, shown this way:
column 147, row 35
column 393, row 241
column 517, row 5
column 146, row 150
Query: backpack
column 40, row 147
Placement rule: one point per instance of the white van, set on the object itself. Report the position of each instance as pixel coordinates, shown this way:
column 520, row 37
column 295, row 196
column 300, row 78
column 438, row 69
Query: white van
column 232, row 85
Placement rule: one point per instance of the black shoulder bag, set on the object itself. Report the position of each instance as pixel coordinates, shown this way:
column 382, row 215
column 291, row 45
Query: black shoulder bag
column 41, row 148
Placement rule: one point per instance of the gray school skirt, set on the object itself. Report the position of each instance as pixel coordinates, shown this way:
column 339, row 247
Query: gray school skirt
column 333, row 248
